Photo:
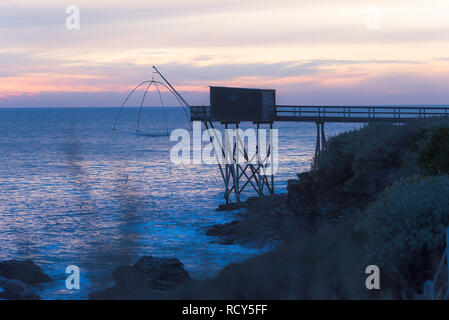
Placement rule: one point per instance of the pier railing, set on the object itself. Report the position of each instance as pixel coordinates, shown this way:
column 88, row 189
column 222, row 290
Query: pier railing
column 358, row 113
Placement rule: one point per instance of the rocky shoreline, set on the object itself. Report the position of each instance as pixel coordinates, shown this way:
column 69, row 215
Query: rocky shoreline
column 278, row 218
column 261, row 222
column 148, row 278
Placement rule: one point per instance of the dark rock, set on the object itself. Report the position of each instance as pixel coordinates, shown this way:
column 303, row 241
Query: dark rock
column 258, row 225
column 127, row 277
column 161, row 273
column 25, row 271
column 128, row 285
column 259, row 203
column 229, row 207
column 141, row 279
column 16, row 290
column 227, row 233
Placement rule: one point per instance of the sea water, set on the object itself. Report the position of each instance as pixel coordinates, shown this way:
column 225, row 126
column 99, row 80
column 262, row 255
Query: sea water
column 74, row 192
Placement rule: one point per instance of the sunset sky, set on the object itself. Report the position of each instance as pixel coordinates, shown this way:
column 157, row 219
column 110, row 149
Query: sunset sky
column 312, row 52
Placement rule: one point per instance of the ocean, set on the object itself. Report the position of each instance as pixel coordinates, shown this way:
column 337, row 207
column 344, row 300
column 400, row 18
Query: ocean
column 74, row 192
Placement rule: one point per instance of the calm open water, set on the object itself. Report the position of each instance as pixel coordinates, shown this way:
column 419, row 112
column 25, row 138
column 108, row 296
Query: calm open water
column 72, row 191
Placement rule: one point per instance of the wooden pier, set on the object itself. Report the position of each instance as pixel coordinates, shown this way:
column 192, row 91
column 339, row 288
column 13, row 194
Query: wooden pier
column 231, row 106
column 352, row 114
column 320, row 115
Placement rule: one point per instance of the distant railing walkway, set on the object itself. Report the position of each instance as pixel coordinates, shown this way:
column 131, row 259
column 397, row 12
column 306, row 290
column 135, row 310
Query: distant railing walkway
column 355, row 114
column 362, row 114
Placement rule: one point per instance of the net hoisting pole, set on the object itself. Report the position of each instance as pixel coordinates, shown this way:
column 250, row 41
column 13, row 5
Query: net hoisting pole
column 178, row 96
column 174, row 90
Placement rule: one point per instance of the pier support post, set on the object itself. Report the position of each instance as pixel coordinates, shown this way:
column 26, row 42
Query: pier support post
column 321, row 143
column 323, row 138
column 320, row 138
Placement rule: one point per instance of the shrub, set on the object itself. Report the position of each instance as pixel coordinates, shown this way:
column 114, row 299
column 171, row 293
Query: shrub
column 406, row 225
column 434, row 158
column 358, row 163
column 361, row 163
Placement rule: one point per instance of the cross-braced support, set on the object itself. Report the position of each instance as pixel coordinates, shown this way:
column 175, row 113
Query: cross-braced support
column 238, row 167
